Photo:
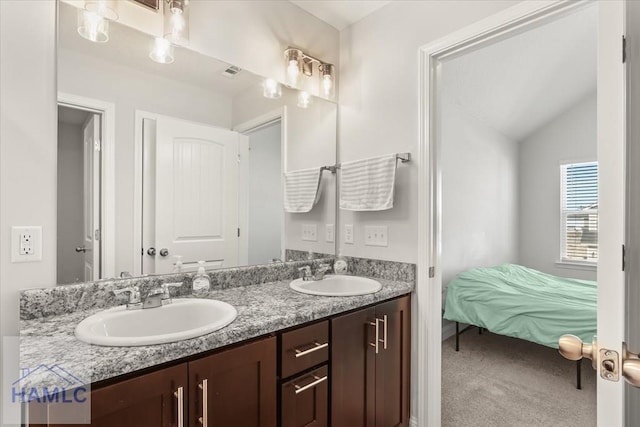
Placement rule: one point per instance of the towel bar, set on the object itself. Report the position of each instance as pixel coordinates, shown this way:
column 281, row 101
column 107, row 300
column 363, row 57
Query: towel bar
column 403, row 157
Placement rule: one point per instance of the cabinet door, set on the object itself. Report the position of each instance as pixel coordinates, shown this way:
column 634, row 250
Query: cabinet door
column 149, row 400
column 393, row 363
column 305, row 400
column 236, row 387
column 353, row 370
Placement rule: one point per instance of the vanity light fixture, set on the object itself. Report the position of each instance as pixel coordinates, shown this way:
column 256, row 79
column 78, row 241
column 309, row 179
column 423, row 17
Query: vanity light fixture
column 297, row 62
column 271, row 89
column 327, row 79
column 161, row 51
column 304, row 99
column 107, row 9
column 92, row 26
column 176, row 21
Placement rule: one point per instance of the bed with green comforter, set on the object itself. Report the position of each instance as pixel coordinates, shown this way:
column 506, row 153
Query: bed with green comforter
column 520, row 302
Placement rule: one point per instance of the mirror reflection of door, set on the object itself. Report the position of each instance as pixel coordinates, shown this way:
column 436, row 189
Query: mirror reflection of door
column 190, row 210
column 265, row 214
column 78, row 224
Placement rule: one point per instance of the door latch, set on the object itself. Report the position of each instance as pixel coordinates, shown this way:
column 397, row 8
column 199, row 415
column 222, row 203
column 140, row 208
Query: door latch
column 609, row 365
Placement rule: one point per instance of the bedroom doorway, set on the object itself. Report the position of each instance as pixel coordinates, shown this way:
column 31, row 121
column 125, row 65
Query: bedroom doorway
column 521, row 213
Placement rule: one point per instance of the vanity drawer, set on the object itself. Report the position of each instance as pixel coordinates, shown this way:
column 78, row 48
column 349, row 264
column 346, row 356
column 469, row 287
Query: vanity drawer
column 303, row 348
column 305, row 400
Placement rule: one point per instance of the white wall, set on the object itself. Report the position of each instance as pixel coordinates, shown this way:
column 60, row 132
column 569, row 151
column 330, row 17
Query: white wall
column 570, row 137
column 479, row 194
column 130, row 89
column 379, row 99
column 28, row 128
column 265, row 194
column 70, row 264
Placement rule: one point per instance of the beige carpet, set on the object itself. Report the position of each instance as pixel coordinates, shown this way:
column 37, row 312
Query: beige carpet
column 497, row 381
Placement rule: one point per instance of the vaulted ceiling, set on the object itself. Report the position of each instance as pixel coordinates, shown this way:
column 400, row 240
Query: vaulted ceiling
column 519, row 84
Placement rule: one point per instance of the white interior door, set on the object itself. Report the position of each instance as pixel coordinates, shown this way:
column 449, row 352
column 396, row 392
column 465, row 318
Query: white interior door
column 611, row 209
column 91, row 192
column 196, row 194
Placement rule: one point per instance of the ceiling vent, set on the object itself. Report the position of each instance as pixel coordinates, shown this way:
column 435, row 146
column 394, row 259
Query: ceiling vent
column 231, row 72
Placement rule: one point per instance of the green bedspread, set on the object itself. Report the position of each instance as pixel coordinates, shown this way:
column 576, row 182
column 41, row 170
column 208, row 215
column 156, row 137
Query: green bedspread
column 523, row 303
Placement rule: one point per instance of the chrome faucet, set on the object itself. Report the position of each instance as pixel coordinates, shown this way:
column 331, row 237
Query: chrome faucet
column 306, row 275
column 321, row 271
column 155, row 298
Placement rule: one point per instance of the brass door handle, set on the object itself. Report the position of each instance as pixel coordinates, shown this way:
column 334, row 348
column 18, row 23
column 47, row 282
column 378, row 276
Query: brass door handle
column 571, row 347
column 630, row 366
column 204, row 419
column 179, row 394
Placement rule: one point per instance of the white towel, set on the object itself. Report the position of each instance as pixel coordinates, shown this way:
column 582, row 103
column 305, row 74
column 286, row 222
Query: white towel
column 367, row 185
column 301, row 190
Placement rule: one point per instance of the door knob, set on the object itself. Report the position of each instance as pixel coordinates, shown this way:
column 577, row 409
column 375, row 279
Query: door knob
column 571, row 347
column 164, row 252
column 151, row 251
column 81, row 249
column 630, row 366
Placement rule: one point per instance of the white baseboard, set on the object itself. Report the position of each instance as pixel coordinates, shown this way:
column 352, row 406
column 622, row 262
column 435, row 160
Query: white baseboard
column 413, row 422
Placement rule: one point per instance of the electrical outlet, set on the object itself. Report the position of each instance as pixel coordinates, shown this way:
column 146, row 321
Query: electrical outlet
column 330, row 234
column 376, row 235
column 348, row 233
column 26, row 244
column 310, row 232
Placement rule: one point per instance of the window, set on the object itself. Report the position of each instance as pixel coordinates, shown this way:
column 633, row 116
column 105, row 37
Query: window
column 579, row 212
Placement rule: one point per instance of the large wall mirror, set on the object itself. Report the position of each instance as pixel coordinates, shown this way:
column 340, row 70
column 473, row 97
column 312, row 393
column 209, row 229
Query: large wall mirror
column 164, row 165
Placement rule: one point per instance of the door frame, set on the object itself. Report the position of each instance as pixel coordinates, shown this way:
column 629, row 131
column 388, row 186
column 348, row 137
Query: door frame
column 107, row 111
column 519, row 18
column 243, row 203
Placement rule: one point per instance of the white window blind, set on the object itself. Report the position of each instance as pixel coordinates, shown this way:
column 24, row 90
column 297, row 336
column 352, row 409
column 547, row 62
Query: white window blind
column 579, row 211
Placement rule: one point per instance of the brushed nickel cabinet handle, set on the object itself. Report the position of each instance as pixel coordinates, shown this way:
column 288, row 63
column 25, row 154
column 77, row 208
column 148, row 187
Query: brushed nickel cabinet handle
column 180, row 395
column 384, row 332
column 317, row 346
column 376, row 343
column 204, row 419
column 318, row 380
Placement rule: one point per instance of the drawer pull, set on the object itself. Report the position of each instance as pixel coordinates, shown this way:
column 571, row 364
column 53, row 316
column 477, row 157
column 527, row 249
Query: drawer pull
column 318, row 380
column 179, row 394
column 204, row 419
column 317, row 346
column 384, row 333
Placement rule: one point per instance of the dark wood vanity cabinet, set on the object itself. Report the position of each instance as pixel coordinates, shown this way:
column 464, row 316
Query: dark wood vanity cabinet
column 149, row 400
column 235, row 387
column 325, row 373
column 304, row 376
column 369, row 380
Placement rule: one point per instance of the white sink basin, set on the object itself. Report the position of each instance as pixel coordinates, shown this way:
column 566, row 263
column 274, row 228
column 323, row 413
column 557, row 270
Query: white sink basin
column 180, row 320
column 337, row 286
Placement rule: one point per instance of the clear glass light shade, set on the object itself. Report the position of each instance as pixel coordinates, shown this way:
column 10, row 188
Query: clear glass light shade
column 162, row 51
column 176, row 21
column 92, row 26
column 271, row 89
column 107, row 9
column 304, row 99
column 327, row 80
column 293, row 62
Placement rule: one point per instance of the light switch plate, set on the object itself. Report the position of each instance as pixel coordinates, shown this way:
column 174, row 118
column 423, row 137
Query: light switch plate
column 310, row 232
column 330, row 234
column 348, row 233
column 26, row 244
column 376, row 235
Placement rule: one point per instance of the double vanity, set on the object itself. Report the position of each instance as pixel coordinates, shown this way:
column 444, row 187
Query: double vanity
column 261, row 348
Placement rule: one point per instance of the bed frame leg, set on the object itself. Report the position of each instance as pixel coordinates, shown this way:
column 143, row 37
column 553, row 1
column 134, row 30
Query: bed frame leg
column 579, row 374
column 457, row 336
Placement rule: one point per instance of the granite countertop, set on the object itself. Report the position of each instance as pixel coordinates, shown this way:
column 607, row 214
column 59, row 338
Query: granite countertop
column 262, row 309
